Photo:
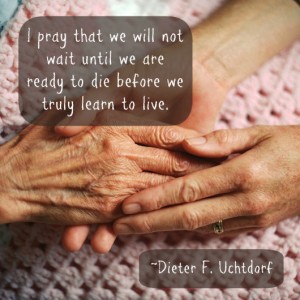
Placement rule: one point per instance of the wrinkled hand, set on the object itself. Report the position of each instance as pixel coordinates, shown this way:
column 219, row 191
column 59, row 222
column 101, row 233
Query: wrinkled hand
column 254, row 190
column 83, row 179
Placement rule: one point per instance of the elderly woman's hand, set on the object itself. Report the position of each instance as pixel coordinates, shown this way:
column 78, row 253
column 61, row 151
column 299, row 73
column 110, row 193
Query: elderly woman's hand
column 257, row 189
column 83, row 179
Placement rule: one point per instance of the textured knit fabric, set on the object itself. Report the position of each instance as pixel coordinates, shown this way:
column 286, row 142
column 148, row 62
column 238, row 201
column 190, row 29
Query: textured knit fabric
column 32, row 263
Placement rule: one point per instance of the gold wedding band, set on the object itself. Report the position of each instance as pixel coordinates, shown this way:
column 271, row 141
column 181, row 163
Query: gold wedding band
column 218, row 227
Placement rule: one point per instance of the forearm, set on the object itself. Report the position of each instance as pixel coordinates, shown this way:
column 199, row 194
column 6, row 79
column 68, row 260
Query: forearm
column 242, row 35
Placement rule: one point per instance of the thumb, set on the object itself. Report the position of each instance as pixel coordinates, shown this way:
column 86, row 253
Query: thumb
column 69, row 128
column 222, row 143
column 80, row 121
column 69, row 131
column 103, row 239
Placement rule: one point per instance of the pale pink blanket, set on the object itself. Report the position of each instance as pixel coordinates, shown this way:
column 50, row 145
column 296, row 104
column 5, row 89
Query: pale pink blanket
column 32, row 263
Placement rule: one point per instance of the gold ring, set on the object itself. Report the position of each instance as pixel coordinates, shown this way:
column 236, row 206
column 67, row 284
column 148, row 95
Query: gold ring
column 218, row 227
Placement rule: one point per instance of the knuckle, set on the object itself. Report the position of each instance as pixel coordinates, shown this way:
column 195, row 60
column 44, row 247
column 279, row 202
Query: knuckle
column 222, row 136
column 109, row 146
column 257, row 204
column 168, row 136
column 180, row 166
column 249, row 175
column 190, row 220
column 189, row 191
column 243, row 179
column 251, row 171
column 144, row 225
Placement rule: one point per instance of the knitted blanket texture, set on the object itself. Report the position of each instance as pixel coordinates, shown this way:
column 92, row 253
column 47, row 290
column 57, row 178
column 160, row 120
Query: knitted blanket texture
column 33, row 265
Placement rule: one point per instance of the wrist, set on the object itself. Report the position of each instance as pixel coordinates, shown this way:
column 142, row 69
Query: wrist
column 204, row 59
column 236, row 40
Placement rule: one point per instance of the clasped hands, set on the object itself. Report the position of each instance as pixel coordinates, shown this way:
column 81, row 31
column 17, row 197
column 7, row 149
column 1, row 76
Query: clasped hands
column 149, row 179
column 254, row 189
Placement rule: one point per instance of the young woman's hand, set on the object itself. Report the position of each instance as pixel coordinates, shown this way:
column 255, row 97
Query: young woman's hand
column 256, row 189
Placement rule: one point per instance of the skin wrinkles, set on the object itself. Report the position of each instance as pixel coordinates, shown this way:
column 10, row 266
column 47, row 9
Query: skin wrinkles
column 85, row 178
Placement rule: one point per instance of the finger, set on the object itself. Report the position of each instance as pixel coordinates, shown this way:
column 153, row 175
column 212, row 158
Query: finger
column 69, row 131
column 166, row 162
column 182, row 217
column 167, row 137
column 222, row 143
column 103, row 239
column 234, row 224
column 49, row 117
column 74, row 237
column 202, row 184
column 80, row 120
column 148, row 180
column 232, row 233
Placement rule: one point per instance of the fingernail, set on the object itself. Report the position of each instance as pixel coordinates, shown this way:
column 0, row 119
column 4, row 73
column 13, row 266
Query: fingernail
column 197, row 141
column 132, row 208
column 122, row 229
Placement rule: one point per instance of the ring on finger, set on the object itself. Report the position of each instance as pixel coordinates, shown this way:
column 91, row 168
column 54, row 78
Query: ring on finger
column 218, row 227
